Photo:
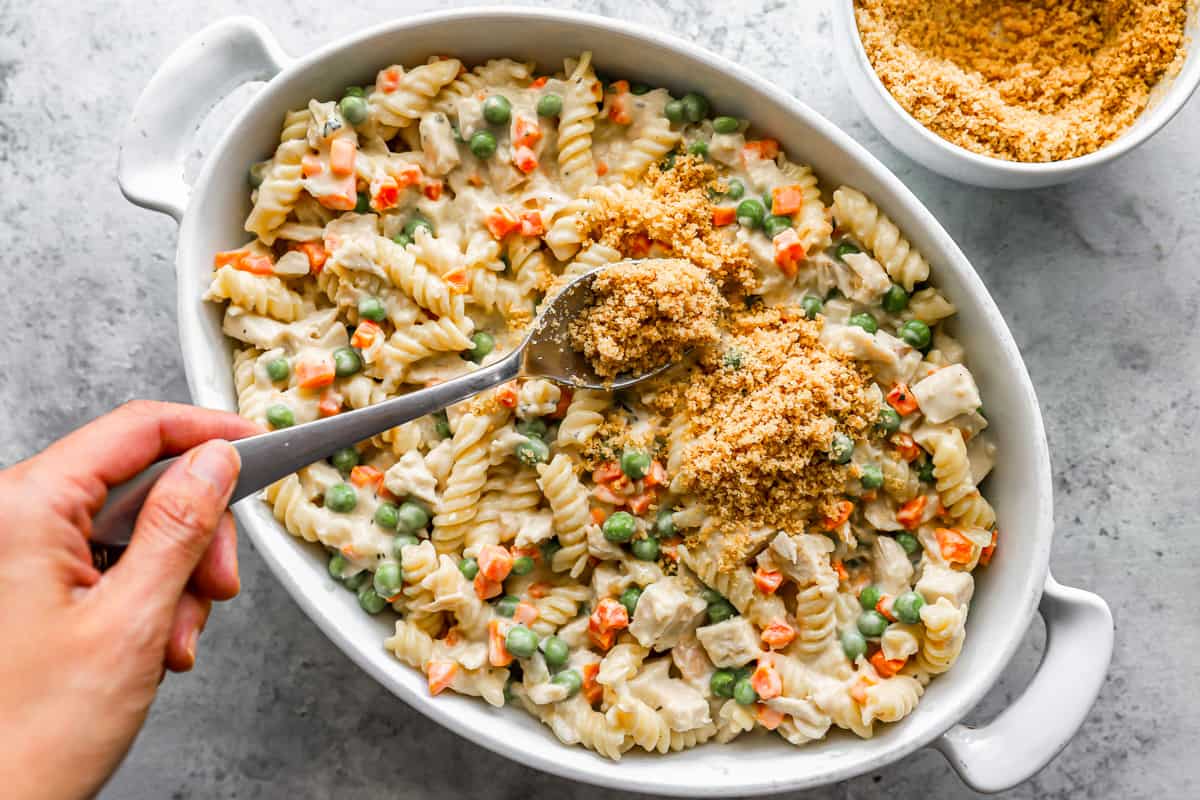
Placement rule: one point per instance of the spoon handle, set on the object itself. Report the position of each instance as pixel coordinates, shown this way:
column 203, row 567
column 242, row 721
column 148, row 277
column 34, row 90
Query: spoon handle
column 270, row 456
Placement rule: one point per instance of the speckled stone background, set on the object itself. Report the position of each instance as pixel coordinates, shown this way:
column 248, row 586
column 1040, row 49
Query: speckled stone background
column 1098, row 280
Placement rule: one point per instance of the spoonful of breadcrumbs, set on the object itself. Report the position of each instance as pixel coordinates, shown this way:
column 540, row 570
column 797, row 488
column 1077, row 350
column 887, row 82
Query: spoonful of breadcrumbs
column 611, row 328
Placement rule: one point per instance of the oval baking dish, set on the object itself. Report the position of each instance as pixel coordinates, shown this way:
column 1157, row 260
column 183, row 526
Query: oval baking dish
column 210, row 212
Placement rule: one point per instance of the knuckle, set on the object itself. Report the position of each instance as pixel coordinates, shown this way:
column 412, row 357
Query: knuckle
column 176, row 517
column 138, row 408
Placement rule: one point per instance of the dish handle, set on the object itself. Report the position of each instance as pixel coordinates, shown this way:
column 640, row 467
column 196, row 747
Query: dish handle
column 1030, row 733
column 204, row 69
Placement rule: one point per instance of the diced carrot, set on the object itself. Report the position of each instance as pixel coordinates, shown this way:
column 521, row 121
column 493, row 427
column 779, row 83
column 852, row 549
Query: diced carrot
column 525, row 132
column 767, row 581
column 452, row 637
column 606, row 495
column 858, row 692
column 622, row 485
column 441, row 675
column 538, row 590
column 909, row 515
column 656, row 475
column 609, row 615
column 618, row 110
column 530, row 551
column 525, row 614
column 458, row 280
column 315, row 373
column 601, row 168
column 330, row 405
column 985, row 557
column 432, row 189
column 840, row 568
column 768, row 717
column 778, row 635
column 495, row 562
column 884, row 606
column 539, row 82
column 565, row 395
column 310, row 165
column 228, row 258
column 640, row 503
column 723, row 215
column 886, row 668
column 388, row 80
column 407, row 175
column 789, row 251
column 908, row 449
column 842, row 512
column 593, row 692
column 475, row 179
column 598, row 515
column 607, row 472
column 316, row 255
column 760, row 148
column 365, row 475
column 766, row 680
column 345, row 198
column 786, row 200
column 620, row 87
column 257, row 264
column 603, row 641
column 500, row 222
column 366, row 334
column 506, row 395
column 385, row 192
column 531, row 224
column 525, row 159
column 486, row 589
column 342, row 153
column 955, row 548
column 901, row 399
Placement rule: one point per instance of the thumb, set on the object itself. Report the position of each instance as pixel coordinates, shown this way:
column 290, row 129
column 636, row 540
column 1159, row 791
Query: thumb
column 175, row 526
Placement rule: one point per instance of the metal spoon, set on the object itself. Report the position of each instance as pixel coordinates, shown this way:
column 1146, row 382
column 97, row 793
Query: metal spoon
column 268, row 457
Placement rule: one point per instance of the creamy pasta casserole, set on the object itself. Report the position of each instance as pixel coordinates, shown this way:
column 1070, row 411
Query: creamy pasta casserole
column 779, row 532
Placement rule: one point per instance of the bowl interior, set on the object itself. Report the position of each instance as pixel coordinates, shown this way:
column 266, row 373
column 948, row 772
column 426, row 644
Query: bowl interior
column 1020, row 487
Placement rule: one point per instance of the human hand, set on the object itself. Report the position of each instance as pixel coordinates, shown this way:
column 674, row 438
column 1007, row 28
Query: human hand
column 83, row 653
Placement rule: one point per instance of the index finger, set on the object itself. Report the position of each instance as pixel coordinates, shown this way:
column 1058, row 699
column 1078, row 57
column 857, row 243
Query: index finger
column 122, row 443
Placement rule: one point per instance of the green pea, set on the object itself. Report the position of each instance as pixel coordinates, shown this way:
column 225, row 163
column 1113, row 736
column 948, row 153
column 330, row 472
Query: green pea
column 768, row 201
column 441, row 424
column 402, row 239
column 550, row 105
column 345, row 459
column 549, row 548
column 667, row 163
column 721, row 611
column 872, row 477
column 711, row 596
column 812, row 306
column 533, row 451
column 909, row 542
column 895, row 299
column 619, row 527
column 907, row 607
column 555, row 651
column 415, row 223
column 278, row 369
column 482, row 144
column 521, row 641
column 639, row 89
column 507, row 606
column 482, row 343
column 469, row 567
column 401, row 541
column 533, row 428
column 845, row 248
column 522, row 565
column 341, row 497
column 834, row 293
column 569, row 678
column 872, row 623
column 664, row 523
column 389, row 577
column 497, row 110
column 256, row 173
column 915, row 333
column 411, row 517
column 372, row 308
column 841, row 449
column 370, row 600
column 864, row 321
column 629, row 598
column 869, row 596
column 889, row 420
column 698, row 148
column 386, row 516
column 743, row 692
column 725, row 124
column 280, row 416
column 925, row 471
column 750, row 213
column 635, row 463
column 363, row 204
column 355, row 581
column 673, row 110
column 355, row 91
column 646, row 549
column 854, row 644
column 775, row 225
column 354, row 110
column 721, row 683
column 736, row 189
column 695, row 106
column 346, row 362
column 338, row 565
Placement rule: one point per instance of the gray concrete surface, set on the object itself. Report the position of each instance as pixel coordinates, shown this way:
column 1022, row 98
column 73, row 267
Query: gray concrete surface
column 1098, row 281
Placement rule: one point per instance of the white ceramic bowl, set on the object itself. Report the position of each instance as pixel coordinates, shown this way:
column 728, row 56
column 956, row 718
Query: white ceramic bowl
column 926, row 147
column 1000, row 754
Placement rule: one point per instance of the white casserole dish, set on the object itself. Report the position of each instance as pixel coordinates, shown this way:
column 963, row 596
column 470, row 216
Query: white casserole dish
column 210, row 212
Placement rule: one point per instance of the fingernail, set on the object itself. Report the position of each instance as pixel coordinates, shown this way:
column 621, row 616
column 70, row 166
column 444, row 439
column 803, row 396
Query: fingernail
column 216, row 463
column 191, row 644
